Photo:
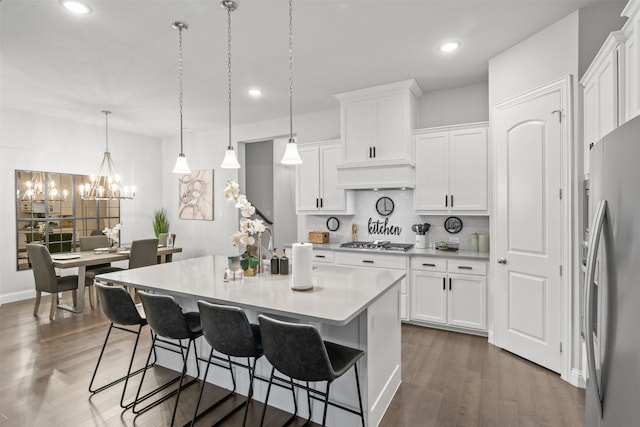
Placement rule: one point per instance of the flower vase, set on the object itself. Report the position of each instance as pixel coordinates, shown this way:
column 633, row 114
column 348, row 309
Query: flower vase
column 250, row 271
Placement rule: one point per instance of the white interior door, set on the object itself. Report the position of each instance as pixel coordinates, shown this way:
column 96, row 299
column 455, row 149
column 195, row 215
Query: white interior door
column 529, row 233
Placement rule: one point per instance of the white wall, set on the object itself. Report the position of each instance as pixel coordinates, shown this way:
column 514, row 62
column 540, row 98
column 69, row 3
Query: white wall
column 33, row 142
column 465, row 104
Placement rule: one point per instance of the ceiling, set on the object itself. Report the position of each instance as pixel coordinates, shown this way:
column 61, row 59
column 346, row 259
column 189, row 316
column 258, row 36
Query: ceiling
column 124, row 55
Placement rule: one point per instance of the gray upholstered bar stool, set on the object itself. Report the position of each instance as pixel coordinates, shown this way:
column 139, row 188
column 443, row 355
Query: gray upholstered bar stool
column 298, row 351
column 228, row 331
column 169, row 324
column 121, row 312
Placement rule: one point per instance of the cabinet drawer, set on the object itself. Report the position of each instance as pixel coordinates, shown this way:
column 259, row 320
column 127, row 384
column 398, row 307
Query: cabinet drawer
column 324, row 256
column 371, row 260
column 428, row 264
column 467, row 267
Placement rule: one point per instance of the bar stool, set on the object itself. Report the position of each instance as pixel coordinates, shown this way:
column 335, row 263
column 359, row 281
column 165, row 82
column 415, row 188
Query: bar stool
column 228, row 331
column 121, row 311
column 298, row 351
column 168, row 322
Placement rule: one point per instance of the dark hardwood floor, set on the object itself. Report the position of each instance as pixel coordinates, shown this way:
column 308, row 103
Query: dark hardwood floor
column 448, row 379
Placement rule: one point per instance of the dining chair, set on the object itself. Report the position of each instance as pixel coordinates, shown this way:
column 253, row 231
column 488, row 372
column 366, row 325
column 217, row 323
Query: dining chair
column 297, row 351
column 46, row 279
column 124, row 315
column 228, row 331
column 89, row 243
column 143, row 253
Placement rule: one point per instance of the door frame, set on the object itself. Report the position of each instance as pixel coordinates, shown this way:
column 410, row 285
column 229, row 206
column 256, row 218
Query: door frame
column 564, row 86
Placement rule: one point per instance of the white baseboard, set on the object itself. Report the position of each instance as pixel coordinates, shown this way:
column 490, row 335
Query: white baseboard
column 17, row 296
column 576, row 379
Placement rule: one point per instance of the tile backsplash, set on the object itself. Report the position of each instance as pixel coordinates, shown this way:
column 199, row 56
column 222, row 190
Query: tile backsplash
column 372, row 226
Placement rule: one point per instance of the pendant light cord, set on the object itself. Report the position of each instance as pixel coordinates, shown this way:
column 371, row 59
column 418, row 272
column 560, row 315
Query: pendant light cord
column 290, row 70
column 180, row 74
column 229, row 9
column 106, row 129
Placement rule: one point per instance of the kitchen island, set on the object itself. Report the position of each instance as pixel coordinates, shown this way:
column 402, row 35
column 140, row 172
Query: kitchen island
column 358, row 307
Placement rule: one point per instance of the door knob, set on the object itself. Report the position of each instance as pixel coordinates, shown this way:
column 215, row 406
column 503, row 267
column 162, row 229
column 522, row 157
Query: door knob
column 502, row 260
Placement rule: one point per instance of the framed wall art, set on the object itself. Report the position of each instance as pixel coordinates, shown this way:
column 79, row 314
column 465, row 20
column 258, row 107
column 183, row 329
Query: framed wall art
column 196, row 195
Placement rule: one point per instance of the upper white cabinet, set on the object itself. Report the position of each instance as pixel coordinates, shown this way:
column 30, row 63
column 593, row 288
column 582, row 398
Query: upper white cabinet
column 451, row 170
column 603, row 93
column 376, row 126
column 316, row 189
column 631, row 32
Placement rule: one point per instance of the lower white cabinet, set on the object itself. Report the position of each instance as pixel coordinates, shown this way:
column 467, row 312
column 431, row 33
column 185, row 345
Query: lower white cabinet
column 373, row 260
column 440, row 294
column 323, row 256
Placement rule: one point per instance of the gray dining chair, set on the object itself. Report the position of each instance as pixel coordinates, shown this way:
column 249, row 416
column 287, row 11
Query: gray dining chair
column 298, row 351
column 46, row 280
column 90, row 243
column 143, row 253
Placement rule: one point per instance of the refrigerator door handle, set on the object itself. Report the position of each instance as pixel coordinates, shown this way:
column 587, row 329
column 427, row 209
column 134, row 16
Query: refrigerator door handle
column 598, row 224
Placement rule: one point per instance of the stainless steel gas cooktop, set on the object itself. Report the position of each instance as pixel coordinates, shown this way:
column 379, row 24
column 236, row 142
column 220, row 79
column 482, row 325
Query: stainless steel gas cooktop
column 381, row 245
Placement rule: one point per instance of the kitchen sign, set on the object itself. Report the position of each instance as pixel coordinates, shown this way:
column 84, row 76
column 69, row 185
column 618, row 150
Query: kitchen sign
column 383, row 228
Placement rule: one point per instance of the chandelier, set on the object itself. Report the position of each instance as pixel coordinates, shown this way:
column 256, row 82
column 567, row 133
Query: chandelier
column 35, row 190
column 106, row 184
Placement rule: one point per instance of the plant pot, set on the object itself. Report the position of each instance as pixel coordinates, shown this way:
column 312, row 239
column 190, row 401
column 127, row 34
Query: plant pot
column 250, row 271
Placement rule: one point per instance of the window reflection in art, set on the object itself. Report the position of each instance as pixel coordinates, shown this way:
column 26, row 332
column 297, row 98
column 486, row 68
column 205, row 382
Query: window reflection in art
column 196, row 195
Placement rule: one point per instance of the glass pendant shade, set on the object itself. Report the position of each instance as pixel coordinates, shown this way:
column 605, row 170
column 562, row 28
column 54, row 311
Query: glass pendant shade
column 230, row 160
column 181, row 166
column 291, row 156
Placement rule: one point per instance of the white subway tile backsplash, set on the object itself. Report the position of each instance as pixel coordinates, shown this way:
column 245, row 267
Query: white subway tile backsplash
column 402, row 217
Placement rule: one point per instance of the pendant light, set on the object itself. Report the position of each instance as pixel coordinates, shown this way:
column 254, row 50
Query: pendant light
column 106, row 184
column 181, row 166
column 291, row 156
column 230, row 160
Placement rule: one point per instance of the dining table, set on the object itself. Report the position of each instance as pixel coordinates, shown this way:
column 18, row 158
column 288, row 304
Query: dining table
column 83, row 259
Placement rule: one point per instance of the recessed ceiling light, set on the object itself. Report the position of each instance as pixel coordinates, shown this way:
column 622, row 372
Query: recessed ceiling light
column 76, row 6
column 255, row 92
column 449, row 46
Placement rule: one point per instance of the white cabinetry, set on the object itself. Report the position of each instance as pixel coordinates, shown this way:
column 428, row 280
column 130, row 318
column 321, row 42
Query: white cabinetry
column 390, row 261
column 323, row 256
column 602, row 93
column 451, row 170
column 449, row 293
column 376, row 126
column 631, row 31
column 316, row 190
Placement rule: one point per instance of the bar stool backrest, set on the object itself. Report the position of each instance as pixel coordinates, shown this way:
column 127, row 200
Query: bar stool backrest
column 165, row 316
column 118, row 305
column 296, row 350
column 228, row 330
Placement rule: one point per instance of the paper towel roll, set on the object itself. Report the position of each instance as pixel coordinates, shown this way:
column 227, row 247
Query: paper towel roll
column 301, row 257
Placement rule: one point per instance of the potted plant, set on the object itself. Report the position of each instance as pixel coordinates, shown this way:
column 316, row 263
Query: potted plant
column 160, row 222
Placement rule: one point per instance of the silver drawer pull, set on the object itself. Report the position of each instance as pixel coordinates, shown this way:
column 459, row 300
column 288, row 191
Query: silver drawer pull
column 320, row 256
column 465, row 267
column 368, row 261
column 428, row 265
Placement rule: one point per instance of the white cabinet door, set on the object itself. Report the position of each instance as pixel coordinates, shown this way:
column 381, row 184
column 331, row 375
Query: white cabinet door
column 451, row 171
column 307, row 185
column 590, row 121
column 432, row 172
column 467, row 301
column 404, row 312
column 358, row 124
column 468, row 170
column 332, row 198
column 392, row 128
column 428, row 297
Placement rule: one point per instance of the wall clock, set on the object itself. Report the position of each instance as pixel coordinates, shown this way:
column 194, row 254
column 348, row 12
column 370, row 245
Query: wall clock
column 385, row 206
column 333, row 223
column 453, row 224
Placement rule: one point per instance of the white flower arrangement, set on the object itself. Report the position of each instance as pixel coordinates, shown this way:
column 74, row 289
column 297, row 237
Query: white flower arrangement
column 248, row 227
column 113, row 233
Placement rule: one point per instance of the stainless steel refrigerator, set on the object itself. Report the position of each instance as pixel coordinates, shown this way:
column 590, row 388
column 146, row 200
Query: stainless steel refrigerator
column 612, row 291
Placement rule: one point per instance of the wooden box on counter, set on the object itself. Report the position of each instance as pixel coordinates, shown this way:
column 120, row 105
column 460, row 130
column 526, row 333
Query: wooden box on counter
column 318, row 237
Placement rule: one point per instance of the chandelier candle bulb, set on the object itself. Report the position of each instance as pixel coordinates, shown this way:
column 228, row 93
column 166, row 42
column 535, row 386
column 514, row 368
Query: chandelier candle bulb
column 301, row 263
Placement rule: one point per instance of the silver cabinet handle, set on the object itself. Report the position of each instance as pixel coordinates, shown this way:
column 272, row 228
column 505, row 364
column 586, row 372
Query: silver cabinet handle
column 502, row 260
column 588, row 302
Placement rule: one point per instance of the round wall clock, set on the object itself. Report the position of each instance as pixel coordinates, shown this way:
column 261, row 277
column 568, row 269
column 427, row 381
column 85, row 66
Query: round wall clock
column 385, row 206
column 333, row 223
column 453, row 224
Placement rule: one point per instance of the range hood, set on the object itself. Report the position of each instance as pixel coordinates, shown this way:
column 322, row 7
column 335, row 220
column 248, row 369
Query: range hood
column 376, row 175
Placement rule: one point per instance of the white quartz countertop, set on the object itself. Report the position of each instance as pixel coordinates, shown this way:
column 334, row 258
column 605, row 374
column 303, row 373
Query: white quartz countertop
column 460, row 254
column 339, row 294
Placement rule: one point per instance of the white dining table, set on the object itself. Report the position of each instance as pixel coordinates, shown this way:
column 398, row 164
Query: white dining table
column 82, row 260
